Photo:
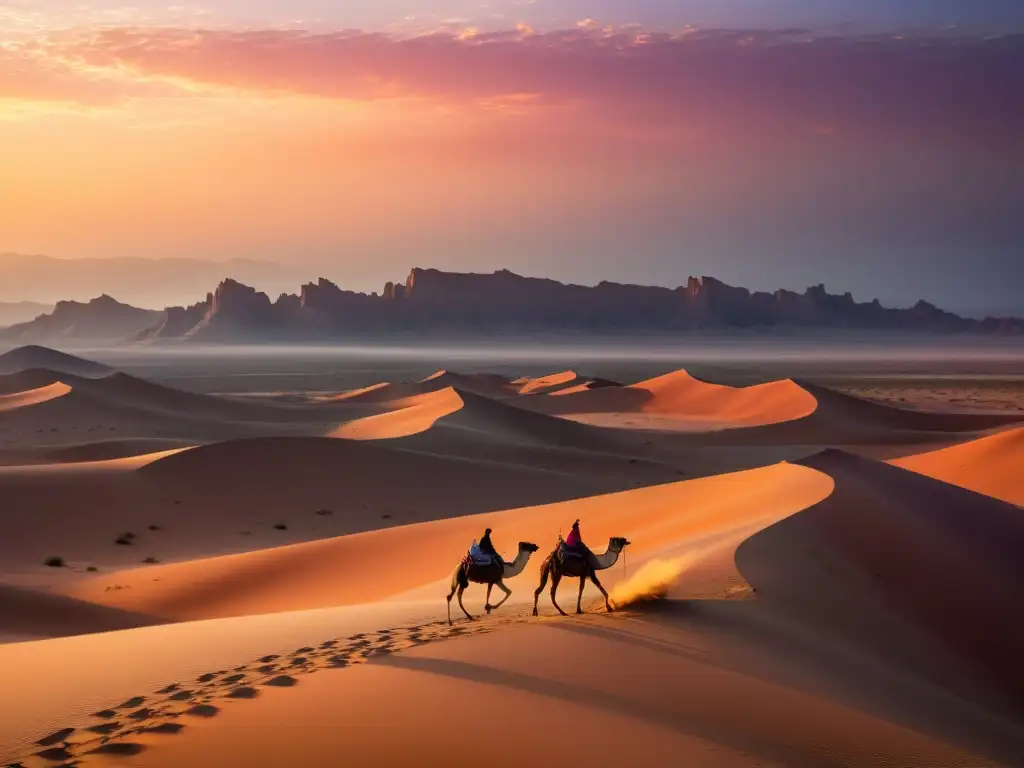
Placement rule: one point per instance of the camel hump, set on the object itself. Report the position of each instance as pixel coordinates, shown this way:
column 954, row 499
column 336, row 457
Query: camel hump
column 488, row 573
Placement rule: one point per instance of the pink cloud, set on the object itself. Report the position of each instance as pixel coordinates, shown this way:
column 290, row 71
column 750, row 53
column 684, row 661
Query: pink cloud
column 916, row 87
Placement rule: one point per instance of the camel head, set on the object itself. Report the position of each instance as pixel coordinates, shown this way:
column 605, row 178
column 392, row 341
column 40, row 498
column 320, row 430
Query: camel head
column 526, row 546
column 618, row 543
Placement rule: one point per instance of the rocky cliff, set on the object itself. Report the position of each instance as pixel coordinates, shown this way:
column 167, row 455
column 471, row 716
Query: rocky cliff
column 503, row 302
column 100, row 320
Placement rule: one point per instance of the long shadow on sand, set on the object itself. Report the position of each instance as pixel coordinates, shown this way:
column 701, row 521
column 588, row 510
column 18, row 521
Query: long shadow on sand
column 693, row 725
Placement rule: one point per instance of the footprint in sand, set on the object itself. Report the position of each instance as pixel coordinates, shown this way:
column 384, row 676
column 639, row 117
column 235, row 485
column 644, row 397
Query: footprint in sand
column 165, row 728
column 282, row 681
column 268, row 659
column 168, row 689
column 104, row 729
column 105, row 714
column 56, row 737
column 207, row 677
column 142, row 714
column 244, row 692
column 232, row 679
column 267, row 669
column 120, row 748
column 54, row 754
column 132, row 703
column 328, row 643
column 182, row 696
column 202, row 710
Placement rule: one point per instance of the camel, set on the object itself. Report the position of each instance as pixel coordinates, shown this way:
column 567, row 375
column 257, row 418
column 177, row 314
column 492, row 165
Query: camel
column 491, row 575
column 582, row 567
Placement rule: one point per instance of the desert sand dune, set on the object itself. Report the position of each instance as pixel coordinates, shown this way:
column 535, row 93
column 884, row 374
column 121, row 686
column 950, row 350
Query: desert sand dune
column 409, row 417
column 784, row 412
column 846, row 657
column 32, row 614
column 834, row 611
column 553, row 382
column 349, row 570
column 921, row 573
column 60, row 682
column 463, row 424
column 490, row 384
column 654, row 694
column 991, row 465
column 29, row 357
column 501, row 431
column 130, row 452
column 112, row 416
column 31, row 378
column 685, row 398
column 230, row 496
column 849, row 411
column 33, row 396
column 388, row 393
column 844, row 421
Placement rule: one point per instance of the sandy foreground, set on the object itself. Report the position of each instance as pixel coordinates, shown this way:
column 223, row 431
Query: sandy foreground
column 787, row 599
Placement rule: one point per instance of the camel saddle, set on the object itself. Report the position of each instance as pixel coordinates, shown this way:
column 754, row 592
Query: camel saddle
column 480, row 571
column 565, row 552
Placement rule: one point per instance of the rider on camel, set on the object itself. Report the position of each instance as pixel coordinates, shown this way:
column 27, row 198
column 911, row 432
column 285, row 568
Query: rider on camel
column 487, row 547
column 574, row 540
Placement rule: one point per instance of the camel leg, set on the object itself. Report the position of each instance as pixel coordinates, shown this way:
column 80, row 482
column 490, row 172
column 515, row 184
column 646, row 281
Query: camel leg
column 487, row 602
column 459, row 595
column 543, row 582
column 593, row 578
column 555, row 578
column 508, row 593
column 450, row 596
column 579, row 598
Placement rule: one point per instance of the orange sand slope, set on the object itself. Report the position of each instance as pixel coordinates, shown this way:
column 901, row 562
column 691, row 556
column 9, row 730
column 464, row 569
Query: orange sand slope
column 912, row 571
column 388, row 393
column 33, row 357
column 232, row 496
column 410, row 416
column 637, row 691
column 71, row 413
column 29, row 615
column 992, row 465
column 882, row 634
column 380, row 564
column 33, row 396
column 553, row 382
column 683, row 397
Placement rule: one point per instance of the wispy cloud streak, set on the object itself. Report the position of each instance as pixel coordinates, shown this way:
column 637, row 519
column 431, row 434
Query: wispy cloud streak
column 926, row 86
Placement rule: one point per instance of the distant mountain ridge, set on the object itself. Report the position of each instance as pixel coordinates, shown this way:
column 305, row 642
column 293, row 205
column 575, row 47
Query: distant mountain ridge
column 101, row 320
column 502, row 302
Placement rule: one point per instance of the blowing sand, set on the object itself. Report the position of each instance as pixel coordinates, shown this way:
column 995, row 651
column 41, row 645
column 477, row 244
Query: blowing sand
column 263, row 582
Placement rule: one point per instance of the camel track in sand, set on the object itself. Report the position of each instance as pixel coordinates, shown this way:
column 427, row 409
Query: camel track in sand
column 113, row 731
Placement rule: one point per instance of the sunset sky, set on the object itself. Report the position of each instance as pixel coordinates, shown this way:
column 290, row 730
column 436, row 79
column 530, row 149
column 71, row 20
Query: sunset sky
column 874, row 145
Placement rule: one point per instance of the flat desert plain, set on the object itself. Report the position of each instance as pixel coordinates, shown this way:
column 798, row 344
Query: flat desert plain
column 813, row 577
